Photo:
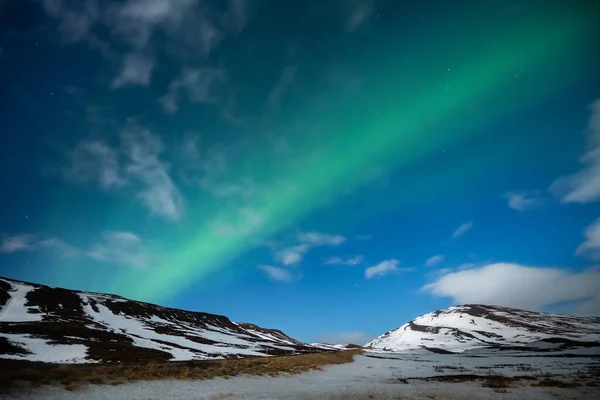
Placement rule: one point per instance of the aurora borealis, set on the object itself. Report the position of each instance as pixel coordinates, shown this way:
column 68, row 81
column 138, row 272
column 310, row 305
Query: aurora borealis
column 234, row 158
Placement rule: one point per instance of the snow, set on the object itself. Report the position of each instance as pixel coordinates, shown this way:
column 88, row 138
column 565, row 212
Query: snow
column 373, row 374
column 43, row 351
column 144, row 335
column 533, row 327
column 15, row 309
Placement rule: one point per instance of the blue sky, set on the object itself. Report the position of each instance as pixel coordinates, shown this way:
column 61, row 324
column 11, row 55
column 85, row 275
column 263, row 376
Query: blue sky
column 332, row 170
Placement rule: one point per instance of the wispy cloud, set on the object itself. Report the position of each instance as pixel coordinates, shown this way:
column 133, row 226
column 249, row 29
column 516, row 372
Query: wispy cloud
column 159, row 193
column 523, row 201
column 383, row 268
column 519, row 286
column 320, row 239
column 361, row 11
column 119, row 248
column 584, row 185
column 288, row 75
column 356, row 260
column 96, row 161
column 462, row 229
column 591, row 246
column 134, row 163
column 16, row 243
column 434, row 260
column 246, row 221
column 277, row 273
column 146, row 27
column 291, row 255
column 136, row 70
column 199, row 85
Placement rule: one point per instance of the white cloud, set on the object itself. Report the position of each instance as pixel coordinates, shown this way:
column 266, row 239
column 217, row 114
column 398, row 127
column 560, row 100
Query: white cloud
column 276, row 273
column 95, row 161
column 248, row 220
column 201, row 85
column 160, row 194
column 16, row 243
column 383, row 268
column 288, row 75
column 359, row 14
column 320, row 239
column 518, row 286
column 344, row 261
column 591, row 246
column 135, row 163
column 358, row 338
column 75, row 20
column 291, row 255
column 136, row 70
column 462, row 229
column 236, row 17
column 523, row 201
column 121, row 248
column 584, row 185
column 434, row 260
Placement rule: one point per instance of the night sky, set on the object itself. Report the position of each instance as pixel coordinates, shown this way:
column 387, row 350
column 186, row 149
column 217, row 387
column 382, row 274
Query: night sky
column 329, row 168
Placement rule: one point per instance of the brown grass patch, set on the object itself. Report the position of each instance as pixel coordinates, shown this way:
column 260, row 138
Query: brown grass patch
column 75, row 375
column 556, row 383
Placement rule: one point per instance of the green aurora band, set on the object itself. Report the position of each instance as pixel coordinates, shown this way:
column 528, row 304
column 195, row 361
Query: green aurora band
column 395, row 122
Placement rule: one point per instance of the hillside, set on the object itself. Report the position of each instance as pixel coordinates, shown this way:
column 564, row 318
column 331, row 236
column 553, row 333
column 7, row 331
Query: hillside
column 474, row 326
column 43, row 323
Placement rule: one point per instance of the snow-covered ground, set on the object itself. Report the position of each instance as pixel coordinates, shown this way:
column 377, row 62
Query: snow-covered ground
column 461, row 328
column 372, row 374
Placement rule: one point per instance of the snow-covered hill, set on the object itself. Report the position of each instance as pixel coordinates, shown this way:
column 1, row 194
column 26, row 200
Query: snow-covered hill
column 42, row 323
column 474, row 326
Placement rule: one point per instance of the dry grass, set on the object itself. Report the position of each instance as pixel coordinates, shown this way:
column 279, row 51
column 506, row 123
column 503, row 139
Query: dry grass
column 76, row 375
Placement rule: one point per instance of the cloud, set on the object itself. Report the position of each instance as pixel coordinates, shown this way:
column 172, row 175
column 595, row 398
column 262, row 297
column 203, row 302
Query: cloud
column 519, row 286
column 159, row 193
column 134, row 163
column 288, row 75
column 462, row 229
column 358, row 338
column 276, row 273
column 584, row 185
column 95, row 161
column 320, row 239
column 291, row 255
column 359, row 14
column 591, row 246
column 16, row 243
column 248, row 220
column 236, row 18
column 75, row 20
column 200, row 85
column 523, row 201
column 383, row 268
column 173, row 29
column 121, row 248
column 344, row 261
column 434, row 260
column 136, row 70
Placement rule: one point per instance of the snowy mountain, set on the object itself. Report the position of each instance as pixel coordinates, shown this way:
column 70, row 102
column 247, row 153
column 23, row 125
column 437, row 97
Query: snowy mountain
column 42, row 323
column 472, row 326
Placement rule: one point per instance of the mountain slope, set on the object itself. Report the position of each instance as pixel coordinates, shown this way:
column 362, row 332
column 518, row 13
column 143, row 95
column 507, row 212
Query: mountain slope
column 42, row 323
column 473, row 326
